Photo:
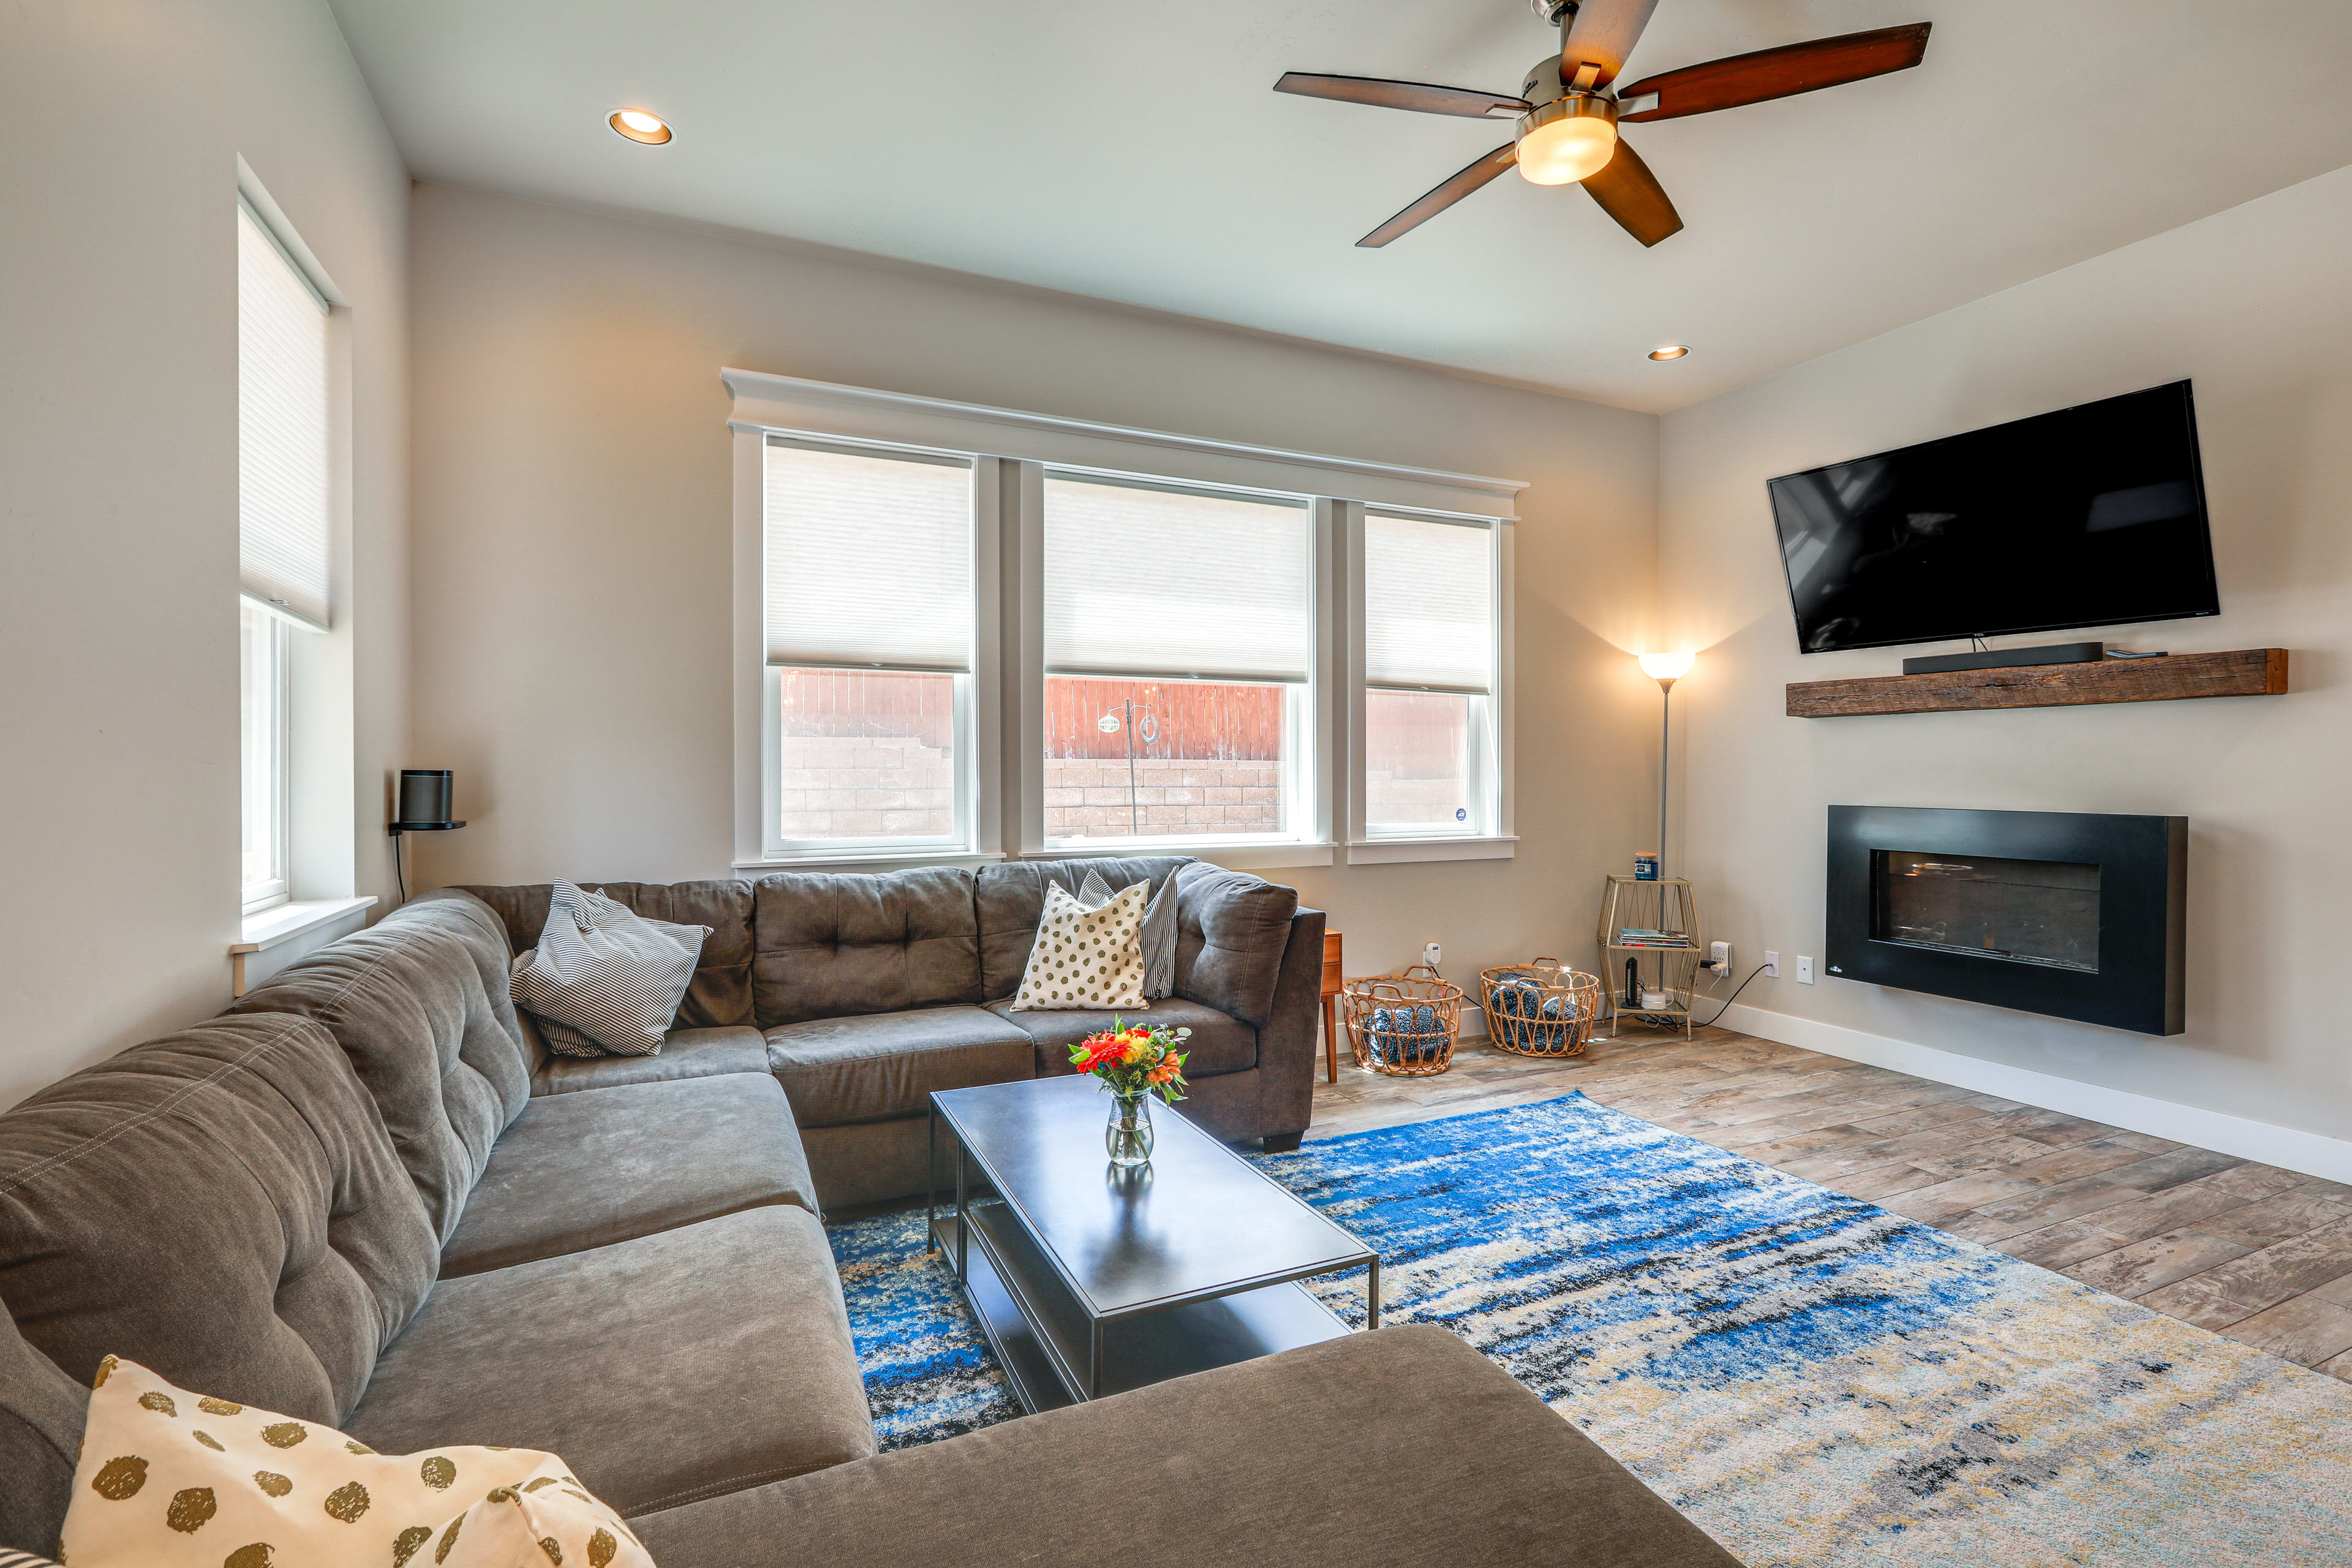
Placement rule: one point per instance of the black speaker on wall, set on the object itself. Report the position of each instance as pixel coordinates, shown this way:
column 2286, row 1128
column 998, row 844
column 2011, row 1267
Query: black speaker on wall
column 427, row 796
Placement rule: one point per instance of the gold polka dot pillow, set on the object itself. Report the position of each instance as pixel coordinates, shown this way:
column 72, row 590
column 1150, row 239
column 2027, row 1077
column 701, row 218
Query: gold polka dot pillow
column 1086, row 958
column 171, row 1479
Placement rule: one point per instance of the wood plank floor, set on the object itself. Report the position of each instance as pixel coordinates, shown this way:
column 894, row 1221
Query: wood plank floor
column 2257, row 1253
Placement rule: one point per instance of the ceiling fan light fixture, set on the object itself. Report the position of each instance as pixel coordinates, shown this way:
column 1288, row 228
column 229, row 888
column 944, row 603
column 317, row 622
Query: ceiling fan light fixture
column 1569, row 140
column 1670, row 351
column 639, row 126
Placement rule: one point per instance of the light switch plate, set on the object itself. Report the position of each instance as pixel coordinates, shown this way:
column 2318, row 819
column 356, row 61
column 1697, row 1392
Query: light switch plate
column 1804, row 970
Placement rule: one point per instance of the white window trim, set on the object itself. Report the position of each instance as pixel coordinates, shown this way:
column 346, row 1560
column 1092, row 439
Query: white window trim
column 1006, row 743
column 790, row 404
column 1387, row 851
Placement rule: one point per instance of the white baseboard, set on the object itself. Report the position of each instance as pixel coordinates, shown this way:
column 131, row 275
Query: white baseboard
column 2312, row 1153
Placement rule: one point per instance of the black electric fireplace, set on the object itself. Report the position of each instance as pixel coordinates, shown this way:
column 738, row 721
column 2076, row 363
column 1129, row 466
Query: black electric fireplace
column 2074, row 915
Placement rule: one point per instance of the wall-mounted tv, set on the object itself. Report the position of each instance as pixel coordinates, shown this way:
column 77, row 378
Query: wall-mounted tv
column 2092, row 516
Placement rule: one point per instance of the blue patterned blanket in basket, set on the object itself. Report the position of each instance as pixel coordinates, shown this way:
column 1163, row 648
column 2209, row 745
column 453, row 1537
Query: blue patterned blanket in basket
column 1518, row 1010
column 1407, row 1036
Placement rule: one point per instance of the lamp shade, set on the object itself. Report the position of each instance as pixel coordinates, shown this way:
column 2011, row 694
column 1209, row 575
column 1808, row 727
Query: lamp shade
column 1666, row 666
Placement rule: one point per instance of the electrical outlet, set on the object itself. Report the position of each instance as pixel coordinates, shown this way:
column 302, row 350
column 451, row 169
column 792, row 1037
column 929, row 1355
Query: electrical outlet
column 1771, row 966
column 1719, row 957
column 1804, row 970
column 1429, row 955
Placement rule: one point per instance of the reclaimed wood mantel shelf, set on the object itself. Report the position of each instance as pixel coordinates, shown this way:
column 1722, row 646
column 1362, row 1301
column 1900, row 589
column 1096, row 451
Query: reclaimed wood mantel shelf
column 2244, row 672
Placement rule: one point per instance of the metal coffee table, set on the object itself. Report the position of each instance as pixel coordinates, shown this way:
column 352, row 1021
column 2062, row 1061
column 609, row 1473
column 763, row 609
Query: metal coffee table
column 1091, row 1280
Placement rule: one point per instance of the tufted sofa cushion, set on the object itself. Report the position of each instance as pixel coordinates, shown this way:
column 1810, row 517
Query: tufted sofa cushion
column 720, row 993
column 1009, row 900
column 41, row 1419
column 474, row 923
column 1231, row 929
column 407, row 1000
column 832, row 945
column 222, row 1205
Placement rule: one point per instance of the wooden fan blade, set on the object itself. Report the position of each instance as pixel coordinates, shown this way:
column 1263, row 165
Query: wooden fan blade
column 1603, row 34
column 1418, row 96
column 1629, row 193
column 1444, row 195
column 1779, row 73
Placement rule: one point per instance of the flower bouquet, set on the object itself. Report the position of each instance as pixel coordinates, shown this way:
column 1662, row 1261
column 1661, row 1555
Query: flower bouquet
column 1134, row 1062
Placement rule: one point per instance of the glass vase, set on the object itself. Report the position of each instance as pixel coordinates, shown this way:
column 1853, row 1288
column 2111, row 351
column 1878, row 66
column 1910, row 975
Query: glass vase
column 1128, row 1135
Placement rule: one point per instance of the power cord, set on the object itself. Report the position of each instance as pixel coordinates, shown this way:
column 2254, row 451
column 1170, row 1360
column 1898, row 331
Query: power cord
column 1727, row 1001
column 400, row 872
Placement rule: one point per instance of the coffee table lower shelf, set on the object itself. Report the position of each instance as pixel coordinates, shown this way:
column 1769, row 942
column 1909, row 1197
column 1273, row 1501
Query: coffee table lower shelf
column 1044, row 1340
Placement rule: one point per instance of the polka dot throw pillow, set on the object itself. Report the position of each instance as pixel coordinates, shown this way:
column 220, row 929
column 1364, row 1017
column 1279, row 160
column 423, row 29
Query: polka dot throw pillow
column 1086, row 958
column 173, row 1479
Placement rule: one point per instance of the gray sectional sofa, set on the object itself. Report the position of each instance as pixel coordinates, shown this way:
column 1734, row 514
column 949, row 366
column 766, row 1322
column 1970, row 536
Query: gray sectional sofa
column 364, row 1196
column 862, row 993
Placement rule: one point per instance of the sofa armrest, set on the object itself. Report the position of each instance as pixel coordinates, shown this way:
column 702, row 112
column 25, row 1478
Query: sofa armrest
column 1230, row 929
column 1286, row 1046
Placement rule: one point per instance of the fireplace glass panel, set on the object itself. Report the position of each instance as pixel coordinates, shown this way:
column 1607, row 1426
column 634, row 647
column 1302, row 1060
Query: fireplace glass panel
column 2027, row 911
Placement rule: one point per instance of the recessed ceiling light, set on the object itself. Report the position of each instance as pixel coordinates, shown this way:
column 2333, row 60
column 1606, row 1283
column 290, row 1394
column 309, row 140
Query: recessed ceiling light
column 639, row 126
column 1671, row 350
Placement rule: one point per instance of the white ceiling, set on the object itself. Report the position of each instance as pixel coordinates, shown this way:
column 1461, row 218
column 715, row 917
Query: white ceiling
column 1135, row 152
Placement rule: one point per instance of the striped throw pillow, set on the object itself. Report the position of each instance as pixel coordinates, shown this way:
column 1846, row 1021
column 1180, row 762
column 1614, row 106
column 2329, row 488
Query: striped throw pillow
column 604, row 978
column 1088, row 959
column 1158, row 936
column 11, row 1559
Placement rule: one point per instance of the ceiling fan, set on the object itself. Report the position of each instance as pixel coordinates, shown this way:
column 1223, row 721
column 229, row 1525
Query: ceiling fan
column 1569, row 110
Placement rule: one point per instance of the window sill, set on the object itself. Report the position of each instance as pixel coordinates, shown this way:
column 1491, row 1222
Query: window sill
column 284, row 922
column 313, row 923
column 1236, row 855
column 869, row 859
column 1392, row 851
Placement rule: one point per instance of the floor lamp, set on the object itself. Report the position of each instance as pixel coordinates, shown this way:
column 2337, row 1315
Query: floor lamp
column 1666, row 668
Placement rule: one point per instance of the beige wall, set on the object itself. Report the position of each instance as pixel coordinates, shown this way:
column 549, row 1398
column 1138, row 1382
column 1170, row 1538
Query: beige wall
column 573, row 537
column 118, row 487
column 2254, row 305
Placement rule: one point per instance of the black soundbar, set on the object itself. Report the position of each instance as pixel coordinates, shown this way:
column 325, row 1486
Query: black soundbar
column 2008, row 658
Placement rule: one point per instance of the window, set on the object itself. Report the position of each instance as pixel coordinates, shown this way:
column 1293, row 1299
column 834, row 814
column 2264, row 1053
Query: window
column 262, row 688
column 969, row 634
column 867, row 577
column 283, row 529
column 1428, row 677
column 1179, row 638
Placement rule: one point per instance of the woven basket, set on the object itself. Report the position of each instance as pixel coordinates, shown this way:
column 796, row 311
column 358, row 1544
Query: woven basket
column 1540, row 1008
column 1403, row 1024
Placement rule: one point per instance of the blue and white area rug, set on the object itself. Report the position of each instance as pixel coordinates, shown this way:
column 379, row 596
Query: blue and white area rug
column 1810, row 1379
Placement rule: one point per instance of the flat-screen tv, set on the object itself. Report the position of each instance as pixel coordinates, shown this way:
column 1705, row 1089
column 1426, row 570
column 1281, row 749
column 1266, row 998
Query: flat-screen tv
column 2092, row 516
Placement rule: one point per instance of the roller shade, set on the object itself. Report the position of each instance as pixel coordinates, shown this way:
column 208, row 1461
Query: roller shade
column 281, row 419
column 1160, row 581
column 1429, row 603
column 868, row 558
